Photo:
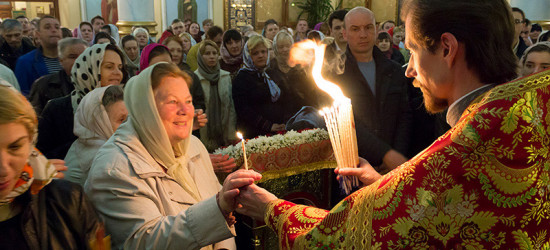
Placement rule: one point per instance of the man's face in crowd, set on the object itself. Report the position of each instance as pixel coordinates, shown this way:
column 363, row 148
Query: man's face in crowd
column 525, row 32
column 428, row 72
column 13, row 37
column 519, row 22
column 178, row 28
column 388, row 26
column 186, row 26
column 360, row 31
column 337, row 31
column 534, row 35
column 207, row 26
column 70, row 55
column 218, row 40
column 50, row 32
column 301, row 26
column 24, row 24
column 271, row 30
column 98, row 23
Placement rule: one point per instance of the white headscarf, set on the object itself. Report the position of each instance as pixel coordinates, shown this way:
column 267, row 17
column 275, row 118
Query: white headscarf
column 144, row 116
column 526, row 52
column 93, row 128
column 114, row 33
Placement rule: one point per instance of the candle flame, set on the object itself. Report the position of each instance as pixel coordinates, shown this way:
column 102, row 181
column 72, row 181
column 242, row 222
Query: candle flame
column 240, row 135
column 299, row 54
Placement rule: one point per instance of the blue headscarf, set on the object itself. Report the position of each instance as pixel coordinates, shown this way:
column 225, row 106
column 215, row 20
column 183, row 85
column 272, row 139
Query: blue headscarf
column 250, row 67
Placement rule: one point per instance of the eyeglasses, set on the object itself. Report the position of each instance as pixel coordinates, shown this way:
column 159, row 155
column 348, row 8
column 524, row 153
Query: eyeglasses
column 519, row 21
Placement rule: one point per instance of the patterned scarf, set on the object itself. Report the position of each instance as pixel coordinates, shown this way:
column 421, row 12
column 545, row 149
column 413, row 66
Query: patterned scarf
column 86, row 73
column 250, row 67
column 228, row 58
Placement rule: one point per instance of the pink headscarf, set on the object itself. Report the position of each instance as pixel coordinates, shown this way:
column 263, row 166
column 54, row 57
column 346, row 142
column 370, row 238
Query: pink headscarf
column 144, row 59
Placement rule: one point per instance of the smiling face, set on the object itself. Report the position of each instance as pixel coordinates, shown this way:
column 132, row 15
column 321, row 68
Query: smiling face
column 210, row 56
column 117, row 113
column 176, row 50
column 14, row 152
column 360, row 31
column 175, row 107
column 111, row 69
column 234, row 47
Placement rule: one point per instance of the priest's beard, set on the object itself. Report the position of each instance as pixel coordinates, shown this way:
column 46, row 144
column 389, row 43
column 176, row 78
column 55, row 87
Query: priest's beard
column 433, row 104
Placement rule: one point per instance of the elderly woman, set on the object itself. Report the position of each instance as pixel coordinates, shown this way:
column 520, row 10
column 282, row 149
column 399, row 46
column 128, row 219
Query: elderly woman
column 36, row 210
column 142, row 37
column 216, row 84
column 536, row 58
column 153, row 181
column 231, row 59
column 262, row 105
column 98, row 66
column 130, row 49
column 301, row 85
column 98, row 116
column 175, row 45
column 86, row 32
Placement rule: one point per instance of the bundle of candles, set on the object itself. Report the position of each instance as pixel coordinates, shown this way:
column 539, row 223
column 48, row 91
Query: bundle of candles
column 338, row 118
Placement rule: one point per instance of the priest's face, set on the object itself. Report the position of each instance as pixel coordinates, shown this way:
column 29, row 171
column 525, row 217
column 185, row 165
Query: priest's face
column 428, row 70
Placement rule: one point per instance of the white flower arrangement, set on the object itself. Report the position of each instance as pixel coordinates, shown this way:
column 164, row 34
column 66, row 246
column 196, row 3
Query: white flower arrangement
column 265, row 144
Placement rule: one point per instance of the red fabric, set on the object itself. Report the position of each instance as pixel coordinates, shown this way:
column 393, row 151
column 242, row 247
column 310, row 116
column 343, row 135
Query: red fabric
column 165, row 35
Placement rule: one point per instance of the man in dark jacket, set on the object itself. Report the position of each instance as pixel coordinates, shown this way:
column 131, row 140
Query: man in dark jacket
column 57, row 84
column 14, row 45
column 377, row 88
column 519, row 44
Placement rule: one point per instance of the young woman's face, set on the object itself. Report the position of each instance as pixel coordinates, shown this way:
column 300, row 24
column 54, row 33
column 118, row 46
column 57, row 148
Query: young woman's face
column 117, row 113
column 141, row 39
column 384, row 45
column 536, row 62
column 234, row 47
column 186, row 44
column 194, row 29
column 259, row 56
column 283, row 47
column 131, row 49
column 111, row 69
column 177, row 51
column 175, row 107
column 210, row 56
column 15, row 146
column 87, row 33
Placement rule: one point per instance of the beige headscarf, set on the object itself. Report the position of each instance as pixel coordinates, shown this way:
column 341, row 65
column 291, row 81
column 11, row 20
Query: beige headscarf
column 144, row 116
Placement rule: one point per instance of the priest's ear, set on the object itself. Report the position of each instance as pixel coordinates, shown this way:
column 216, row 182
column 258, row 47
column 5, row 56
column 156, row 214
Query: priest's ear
column 450, row 48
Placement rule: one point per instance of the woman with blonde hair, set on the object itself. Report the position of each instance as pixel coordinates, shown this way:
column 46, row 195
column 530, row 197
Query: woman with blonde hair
column 142, row 37
column 153, row 181
column 188, row 42
column 36, row 210
column 176, row 47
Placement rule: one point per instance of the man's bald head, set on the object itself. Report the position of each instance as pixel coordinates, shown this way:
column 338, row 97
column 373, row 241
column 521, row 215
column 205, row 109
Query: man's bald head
column 358, row 12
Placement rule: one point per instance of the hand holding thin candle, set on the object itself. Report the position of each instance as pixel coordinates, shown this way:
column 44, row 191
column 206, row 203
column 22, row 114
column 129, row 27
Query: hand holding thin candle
column 244, row 150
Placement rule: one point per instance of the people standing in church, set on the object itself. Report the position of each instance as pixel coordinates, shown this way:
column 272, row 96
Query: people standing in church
column 271, row 28
column 14, row 45
column 519, row 44
column 301, row 86
column 206, row 25
column 220, row 131
column 188, row 42
column 176, row 28
column 384, row 43
column 195, row 31
column 59, row 83
column 142, row 37
column 97, row 22
column 387, row 25
column 41, row 61
column 377, row 88
column 130, row 48
column 231, row 58
column 214, row 34
column 97, row 117
column 25, row 29
column 261, row 104
column 536, row 29
column 175, row 45
column 339, row 45
column 457, row 193
column 302, row 29
column 536, row 58
column 112, row 30
column 98, row 66
column 86, row 32
column 104, row 37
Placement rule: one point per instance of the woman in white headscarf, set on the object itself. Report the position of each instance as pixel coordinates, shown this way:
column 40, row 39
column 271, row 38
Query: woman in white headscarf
column 536, row 58
column 153, row 181
column 114, row 33
column 98, row 116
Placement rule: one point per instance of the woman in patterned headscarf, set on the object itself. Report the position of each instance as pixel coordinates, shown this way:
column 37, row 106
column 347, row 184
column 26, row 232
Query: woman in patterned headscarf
column 98, row 66
column 30, row 197
column 260, row 103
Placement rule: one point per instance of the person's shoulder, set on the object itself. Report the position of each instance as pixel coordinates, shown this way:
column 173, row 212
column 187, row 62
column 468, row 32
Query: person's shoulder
column 29, row 56
column 46, row 80
column 224, row 73
column 62, row 191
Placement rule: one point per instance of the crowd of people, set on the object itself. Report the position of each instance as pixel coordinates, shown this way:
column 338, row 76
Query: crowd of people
column 131, row 123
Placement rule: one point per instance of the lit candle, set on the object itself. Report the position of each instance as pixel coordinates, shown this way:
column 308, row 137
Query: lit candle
column 244, row 150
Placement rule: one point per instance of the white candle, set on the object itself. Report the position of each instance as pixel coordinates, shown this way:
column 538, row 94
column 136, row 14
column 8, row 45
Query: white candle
column 244, row 150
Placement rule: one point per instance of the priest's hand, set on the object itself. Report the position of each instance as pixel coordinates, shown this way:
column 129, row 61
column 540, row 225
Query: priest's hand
column 253, row 201
column 365, row 172
column 231, row 188
column 200, row 119
column 222, row 163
